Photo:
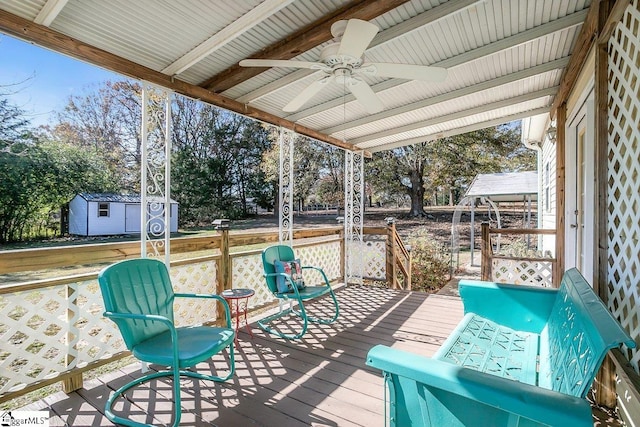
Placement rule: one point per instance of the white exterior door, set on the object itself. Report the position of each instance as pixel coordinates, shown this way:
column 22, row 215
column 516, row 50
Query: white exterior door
column 580, row 202
column 132, row 218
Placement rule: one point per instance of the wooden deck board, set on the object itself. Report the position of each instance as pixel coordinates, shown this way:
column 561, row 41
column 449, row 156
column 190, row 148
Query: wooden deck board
column 321, row 380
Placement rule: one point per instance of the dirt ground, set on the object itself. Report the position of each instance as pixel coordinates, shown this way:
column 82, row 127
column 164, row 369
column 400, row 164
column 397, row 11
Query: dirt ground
column 438, row 221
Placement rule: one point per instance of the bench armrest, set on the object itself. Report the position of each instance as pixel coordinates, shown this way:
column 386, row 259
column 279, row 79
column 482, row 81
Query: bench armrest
column 520, row 307
column 528, row 401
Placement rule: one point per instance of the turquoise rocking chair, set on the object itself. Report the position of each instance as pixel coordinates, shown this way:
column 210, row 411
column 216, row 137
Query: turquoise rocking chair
column 138, row 297
column 285, row 253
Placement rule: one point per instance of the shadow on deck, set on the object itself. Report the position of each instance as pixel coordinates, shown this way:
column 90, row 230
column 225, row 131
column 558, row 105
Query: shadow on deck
column 319, row 380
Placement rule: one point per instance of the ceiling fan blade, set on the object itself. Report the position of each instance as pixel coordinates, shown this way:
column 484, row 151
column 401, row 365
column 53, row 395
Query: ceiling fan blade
column 365, row 96
column 407, row 71
column 308, row 93
column 356, row 37
column 267, row 63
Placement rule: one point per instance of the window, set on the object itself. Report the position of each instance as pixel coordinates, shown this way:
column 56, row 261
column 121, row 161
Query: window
column 103, row 209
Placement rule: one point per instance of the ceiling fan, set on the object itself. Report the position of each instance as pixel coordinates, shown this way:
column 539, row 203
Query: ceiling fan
column 343, row 62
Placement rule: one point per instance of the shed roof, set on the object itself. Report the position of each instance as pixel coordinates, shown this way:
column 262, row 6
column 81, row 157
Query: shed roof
column 119, row 198
column 505, row 187
column 505, row 59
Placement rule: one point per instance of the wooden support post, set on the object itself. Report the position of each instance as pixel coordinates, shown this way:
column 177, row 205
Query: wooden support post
column 73, row 382
column 627, row 386
column 224, row 274
column 392, row 274
column 408, row 287
column 561, row 120
column 225, row 263
column 605, row 381
column 485, row 263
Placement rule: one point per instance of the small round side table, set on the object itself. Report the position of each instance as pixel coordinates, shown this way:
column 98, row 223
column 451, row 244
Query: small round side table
column 239, row 299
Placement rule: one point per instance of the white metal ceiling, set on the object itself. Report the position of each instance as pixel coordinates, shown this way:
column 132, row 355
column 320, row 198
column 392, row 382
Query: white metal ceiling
column 505, row 57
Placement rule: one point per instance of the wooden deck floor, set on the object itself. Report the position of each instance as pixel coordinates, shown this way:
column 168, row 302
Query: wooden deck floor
column 320, row 380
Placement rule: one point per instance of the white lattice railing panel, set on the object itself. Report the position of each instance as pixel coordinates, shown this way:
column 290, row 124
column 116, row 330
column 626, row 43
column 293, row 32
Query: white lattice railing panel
column 325, row 256
column 247, row 272
column 34, row 345
column 197, row 278
column 375, row 259
column 96, row 336
column 522, row 272
column 623, row 222
column 54, row 329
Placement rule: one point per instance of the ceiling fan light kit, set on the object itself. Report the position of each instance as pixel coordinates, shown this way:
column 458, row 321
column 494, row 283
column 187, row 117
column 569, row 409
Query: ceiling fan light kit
column 343, row 60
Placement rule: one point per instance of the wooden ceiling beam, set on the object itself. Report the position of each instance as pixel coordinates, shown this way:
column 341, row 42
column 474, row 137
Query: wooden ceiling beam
column 226, row 35
column 301, row 41
column 583, row 44
column 24, row 29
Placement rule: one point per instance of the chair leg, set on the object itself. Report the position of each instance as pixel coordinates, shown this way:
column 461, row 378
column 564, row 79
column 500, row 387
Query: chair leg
column 263, row 323
column 176, row 373
column 321, row 320
column 122, row 390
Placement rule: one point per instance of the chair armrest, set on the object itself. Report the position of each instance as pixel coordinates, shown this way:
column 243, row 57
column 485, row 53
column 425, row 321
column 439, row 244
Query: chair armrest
column 324, row 276
column 225, row 305
column 519, row 307
column 137, row 316
column 535, row 403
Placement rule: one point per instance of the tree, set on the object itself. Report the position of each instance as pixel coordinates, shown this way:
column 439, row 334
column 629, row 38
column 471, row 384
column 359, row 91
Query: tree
column 447, row 163
column 401, row 170
column 216, row 160
column 330, row 188
column 456, row 160
column 107, row 120
column 15, row 133
column 35, row 184
column 37, row 176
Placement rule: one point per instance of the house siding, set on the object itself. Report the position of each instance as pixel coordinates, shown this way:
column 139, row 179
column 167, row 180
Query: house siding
column 547, row 196
column 84, row 219
column 106, row 225
column 78, row 216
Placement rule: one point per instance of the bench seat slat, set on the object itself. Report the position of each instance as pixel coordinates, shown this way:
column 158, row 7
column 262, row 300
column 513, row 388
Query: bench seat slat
column 480, row 344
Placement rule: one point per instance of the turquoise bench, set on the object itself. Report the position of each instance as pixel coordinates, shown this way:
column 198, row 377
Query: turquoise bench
column 521, row 356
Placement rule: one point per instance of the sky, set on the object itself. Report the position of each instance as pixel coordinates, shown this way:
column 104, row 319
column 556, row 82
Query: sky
column 41, row 80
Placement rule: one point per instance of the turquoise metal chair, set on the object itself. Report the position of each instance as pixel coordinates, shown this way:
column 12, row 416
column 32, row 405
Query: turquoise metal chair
column 285, row 253
column 138, row 297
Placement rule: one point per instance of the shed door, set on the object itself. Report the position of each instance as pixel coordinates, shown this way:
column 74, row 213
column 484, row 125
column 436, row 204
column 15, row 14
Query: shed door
column 132, row 219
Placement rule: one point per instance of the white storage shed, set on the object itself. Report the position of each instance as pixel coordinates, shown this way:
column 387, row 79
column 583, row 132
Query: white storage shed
column 103, row 214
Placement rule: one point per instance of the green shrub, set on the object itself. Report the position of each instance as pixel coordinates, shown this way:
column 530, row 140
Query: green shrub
column 430, row 263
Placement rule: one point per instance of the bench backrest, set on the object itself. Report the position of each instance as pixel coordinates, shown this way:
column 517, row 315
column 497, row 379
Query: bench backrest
column 579, row 333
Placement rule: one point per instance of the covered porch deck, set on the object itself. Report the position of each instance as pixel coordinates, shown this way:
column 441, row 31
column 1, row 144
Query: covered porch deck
column 319, row 380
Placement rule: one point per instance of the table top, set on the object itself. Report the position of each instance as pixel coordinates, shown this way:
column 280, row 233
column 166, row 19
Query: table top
column 237, row 293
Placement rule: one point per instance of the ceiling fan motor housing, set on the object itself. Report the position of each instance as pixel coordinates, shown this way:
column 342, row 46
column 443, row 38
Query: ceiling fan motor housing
column 329, row 56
